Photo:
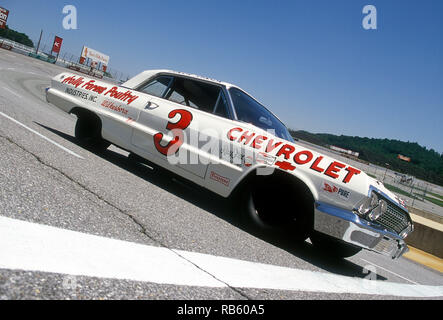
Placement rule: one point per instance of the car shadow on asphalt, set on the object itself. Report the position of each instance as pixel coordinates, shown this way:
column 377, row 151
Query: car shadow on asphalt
column 222, row 208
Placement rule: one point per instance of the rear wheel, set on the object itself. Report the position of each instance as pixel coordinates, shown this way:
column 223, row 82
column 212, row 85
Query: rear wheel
column 88, row 132
column 333, row 247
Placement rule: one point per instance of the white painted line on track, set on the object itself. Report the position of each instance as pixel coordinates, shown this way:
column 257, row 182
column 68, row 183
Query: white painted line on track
column 42, row 136
column 396, row 274
column 34, row 247
column 13, row 92
column 28, row 246
column 246, row 274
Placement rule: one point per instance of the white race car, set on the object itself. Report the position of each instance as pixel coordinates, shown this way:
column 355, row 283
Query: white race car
column 218, row 136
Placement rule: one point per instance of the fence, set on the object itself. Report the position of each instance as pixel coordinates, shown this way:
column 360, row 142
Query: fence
column 65, row 59
column 417, row 193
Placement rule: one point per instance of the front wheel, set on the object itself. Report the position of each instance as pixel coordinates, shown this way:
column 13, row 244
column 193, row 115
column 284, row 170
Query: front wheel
column 333, row 247
column 268, row 211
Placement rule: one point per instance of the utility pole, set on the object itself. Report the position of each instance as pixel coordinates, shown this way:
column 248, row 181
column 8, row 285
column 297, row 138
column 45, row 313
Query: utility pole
column 412, row 194
column 426, row 189
column 39, row 40
column 387, row 164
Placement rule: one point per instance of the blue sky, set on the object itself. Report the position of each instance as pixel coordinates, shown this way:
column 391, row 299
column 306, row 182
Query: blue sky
column 311, row 62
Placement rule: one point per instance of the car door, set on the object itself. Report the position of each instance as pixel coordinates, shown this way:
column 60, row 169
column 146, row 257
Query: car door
column 151, row 118
column 170, row 126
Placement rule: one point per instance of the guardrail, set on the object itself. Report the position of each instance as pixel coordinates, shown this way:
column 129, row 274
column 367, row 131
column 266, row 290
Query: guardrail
column 16, row 45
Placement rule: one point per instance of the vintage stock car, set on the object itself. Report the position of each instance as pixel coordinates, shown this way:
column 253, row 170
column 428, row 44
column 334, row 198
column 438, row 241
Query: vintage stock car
column 216, row 135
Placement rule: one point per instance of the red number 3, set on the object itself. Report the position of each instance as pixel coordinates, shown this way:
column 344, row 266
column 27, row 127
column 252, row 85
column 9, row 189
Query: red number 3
column 178, row 127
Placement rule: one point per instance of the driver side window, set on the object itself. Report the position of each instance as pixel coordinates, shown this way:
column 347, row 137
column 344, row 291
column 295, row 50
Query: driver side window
column 157, row 87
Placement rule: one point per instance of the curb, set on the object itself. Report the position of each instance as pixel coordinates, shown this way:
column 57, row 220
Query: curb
column 424, row 258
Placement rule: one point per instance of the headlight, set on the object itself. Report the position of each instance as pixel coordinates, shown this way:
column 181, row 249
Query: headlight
column 378, row 210
column 372, row 207
column 368, row 205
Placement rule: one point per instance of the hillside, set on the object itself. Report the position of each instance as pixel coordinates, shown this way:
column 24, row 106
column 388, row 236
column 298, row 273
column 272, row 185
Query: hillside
column 425, row 164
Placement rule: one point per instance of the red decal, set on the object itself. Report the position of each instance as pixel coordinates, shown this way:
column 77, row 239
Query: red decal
column 93, row 87
column 112, row 106
column 257, row 141
column 271, row 147
column 246, row 136
column 328, row 188
column 123, row 96
column 73, row 81
column 333, row 169
column 230, row 136
column 351, row 172
column 182, row 124
column 308, row 155
column 219, row 178
column 286, row 150
column 316, row 163
column 285, row 165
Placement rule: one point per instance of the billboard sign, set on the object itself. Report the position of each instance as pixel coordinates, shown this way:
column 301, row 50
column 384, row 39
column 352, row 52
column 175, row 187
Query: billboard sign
column 57, row 44
column 3, row 17
column 95, row 55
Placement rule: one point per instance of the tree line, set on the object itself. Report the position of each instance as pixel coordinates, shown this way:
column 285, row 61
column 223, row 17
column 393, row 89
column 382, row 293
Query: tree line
column 16, row 36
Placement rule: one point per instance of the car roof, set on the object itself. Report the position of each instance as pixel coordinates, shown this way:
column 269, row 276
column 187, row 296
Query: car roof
column 141, row 77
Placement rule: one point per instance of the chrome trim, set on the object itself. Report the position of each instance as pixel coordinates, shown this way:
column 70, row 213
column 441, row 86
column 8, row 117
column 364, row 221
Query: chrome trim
column 349, row 227
column 393, row 202
column 374, row 188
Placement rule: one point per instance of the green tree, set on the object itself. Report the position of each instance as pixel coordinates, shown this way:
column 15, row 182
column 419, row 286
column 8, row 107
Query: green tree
column 16, row 36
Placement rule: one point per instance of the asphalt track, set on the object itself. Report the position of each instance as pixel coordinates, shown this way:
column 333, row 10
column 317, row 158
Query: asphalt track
column 80, row 225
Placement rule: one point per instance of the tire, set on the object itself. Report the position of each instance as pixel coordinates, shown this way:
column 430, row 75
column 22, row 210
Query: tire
column 265, row 211
column 88, row 133
column 333, row 247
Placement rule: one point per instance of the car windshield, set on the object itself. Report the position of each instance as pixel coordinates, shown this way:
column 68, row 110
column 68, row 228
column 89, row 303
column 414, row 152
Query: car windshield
column 250, row 111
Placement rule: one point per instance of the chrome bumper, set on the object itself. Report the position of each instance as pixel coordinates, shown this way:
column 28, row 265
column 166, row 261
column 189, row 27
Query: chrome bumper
column 347, row 226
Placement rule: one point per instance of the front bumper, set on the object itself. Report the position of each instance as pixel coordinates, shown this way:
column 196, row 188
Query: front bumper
column 349, row 227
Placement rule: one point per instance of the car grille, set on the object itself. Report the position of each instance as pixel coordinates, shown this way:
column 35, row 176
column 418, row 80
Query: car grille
column 394, row 219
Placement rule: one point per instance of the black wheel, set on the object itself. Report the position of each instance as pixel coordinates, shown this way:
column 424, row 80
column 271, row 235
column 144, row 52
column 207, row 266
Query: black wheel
column 88, row 133
column 333, row 247
column 280, row 210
